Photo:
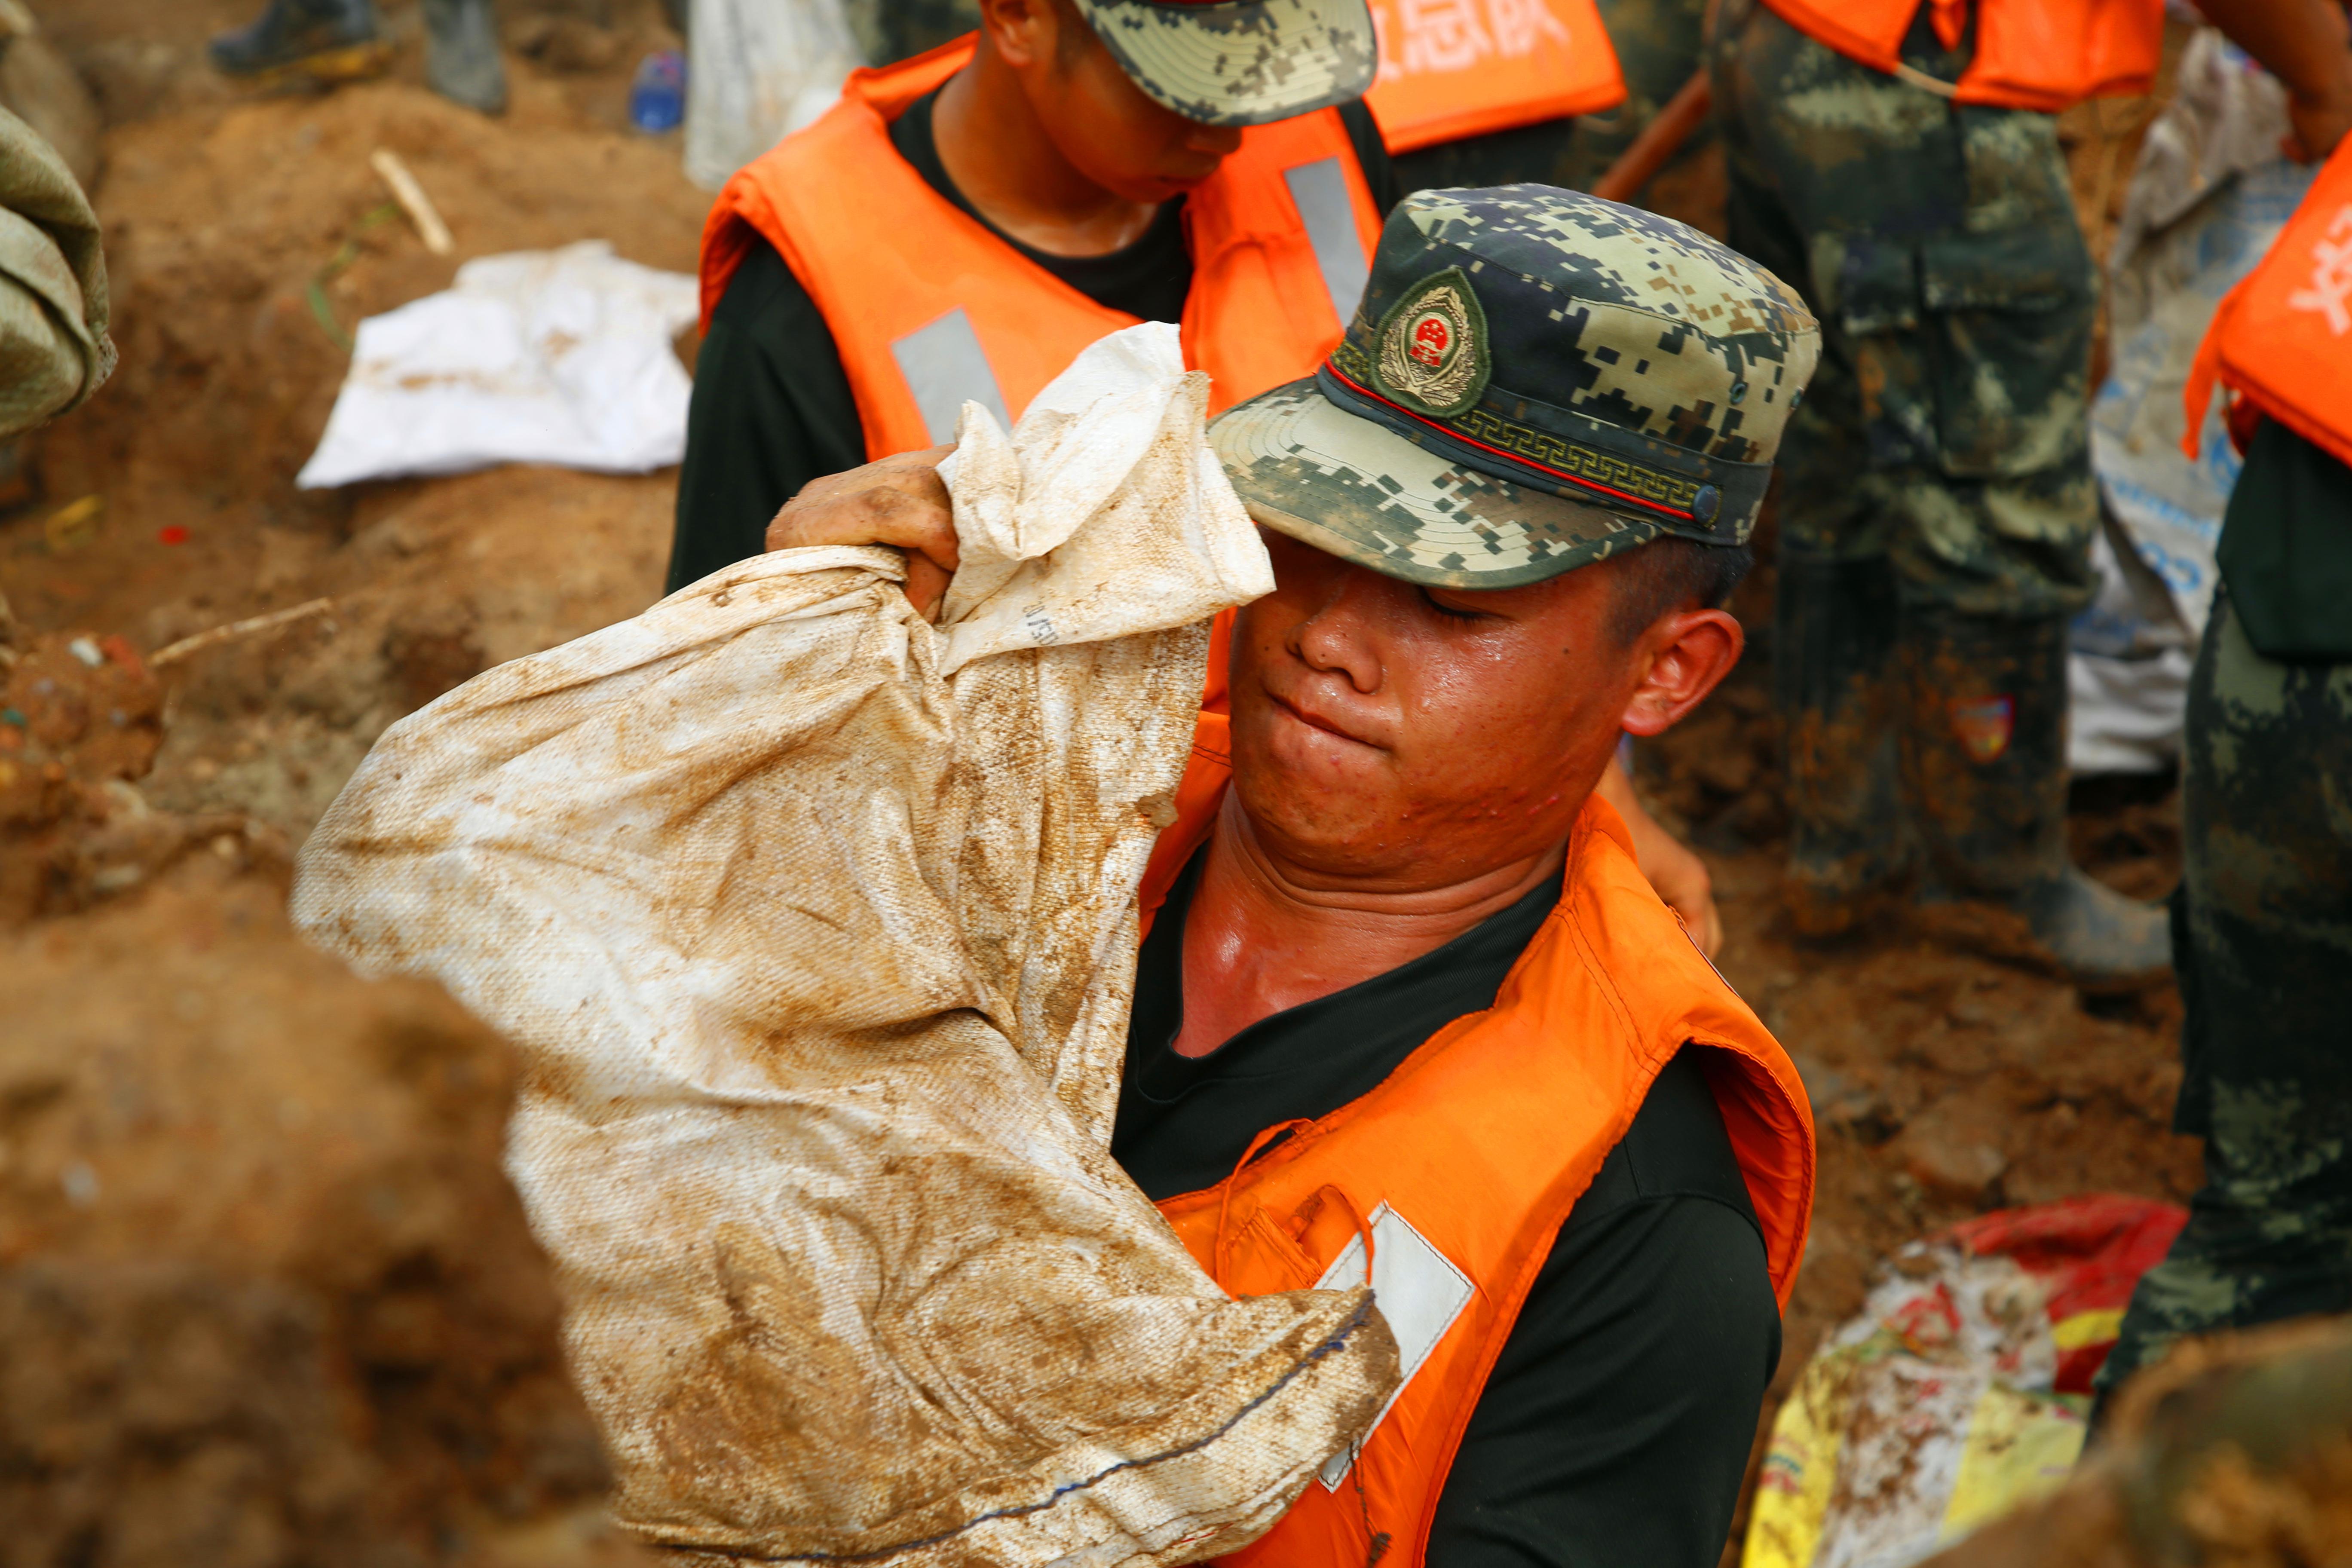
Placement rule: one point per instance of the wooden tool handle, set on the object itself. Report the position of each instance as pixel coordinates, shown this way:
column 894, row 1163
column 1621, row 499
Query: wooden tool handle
column 1659, row 140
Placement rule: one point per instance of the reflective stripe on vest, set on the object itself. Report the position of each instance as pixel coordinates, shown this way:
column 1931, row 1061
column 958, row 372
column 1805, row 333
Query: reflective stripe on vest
column 929, row 307
column 1419, row 1291
column 1463, row 1163
column 945, row 367
column 1451, row 69
column 1319, row 193
column 2282, row 337
column 2045, row 55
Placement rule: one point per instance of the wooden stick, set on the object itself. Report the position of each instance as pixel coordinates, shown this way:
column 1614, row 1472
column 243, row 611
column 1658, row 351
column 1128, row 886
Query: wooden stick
column 245, row 628
column 413, row 201
column 1660, row 140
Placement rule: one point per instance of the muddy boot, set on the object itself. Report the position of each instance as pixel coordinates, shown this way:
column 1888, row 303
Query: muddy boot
column 332, row 40
column 1833, row 660
column 461, row 53
column 1984, row 765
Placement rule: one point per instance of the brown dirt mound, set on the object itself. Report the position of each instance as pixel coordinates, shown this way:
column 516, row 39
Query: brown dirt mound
column 267, row 1295
column 221, row 218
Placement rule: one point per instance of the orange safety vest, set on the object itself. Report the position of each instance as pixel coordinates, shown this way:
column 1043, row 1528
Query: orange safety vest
column 1462, row 1166
column 2281, row 339
column 1475, row 65
column 2048, row 55
column 930, row 309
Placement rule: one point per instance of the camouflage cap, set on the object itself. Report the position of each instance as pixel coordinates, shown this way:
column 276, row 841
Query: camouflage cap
column 1535, row 380
column 1241, row 62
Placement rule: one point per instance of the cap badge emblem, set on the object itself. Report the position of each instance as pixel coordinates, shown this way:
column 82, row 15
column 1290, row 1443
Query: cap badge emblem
column 1433, row 355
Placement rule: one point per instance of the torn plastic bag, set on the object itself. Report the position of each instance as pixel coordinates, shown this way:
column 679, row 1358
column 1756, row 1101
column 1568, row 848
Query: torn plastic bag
column 1959, row 1391
column 816, row 927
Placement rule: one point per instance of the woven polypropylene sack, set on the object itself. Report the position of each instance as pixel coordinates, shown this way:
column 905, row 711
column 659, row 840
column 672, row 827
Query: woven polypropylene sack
column 817, row 926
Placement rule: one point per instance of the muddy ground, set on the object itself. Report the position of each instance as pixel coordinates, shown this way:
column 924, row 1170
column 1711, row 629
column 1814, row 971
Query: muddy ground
column 217, row 1150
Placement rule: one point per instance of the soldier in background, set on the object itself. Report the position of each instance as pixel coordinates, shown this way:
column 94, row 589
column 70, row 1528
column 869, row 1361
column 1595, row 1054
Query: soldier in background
column 2262, row 924
column 1938, row 503
column 1568, row 146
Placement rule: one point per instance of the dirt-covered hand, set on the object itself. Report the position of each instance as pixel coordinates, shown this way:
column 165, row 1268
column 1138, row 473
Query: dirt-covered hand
column 900, row 501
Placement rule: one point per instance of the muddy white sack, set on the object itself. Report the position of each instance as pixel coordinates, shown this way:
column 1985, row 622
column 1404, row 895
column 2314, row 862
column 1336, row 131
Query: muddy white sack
column 817, row 926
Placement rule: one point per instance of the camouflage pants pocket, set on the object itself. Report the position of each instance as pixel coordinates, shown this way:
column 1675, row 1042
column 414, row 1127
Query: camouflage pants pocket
column 2010, row 317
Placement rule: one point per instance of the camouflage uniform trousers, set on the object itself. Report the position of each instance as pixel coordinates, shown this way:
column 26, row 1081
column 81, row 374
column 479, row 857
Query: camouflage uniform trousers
column 1947, row 427
column 2262, row 942
column 1657, row 45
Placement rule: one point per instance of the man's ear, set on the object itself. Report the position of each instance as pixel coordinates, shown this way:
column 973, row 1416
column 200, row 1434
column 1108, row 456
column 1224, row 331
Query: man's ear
column 1021, row 31
column 1688, row 653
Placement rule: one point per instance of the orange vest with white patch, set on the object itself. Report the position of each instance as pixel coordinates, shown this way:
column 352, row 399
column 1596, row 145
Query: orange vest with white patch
column 2048, row 55
column 930, row 309
column 1461, row 1166
column 2281, row 339
column 1471, row 67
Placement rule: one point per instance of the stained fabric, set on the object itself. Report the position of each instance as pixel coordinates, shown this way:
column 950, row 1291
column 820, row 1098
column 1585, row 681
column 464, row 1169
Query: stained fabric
column 816, row 925
column 54, row 348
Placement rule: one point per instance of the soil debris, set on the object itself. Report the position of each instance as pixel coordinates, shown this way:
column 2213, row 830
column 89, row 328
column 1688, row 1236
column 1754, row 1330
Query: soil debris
column 236, row 1193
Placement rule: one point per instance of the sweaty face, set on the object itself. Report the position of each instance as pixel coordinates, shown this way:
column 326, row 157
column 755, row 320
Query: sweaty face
column 1417, row 736
column 1112, row 131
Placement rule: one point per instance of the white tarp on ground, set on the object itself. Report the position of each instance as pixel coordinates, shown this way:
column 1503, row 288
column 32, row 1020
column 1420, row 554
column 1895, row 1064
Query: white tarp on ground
column 2211, row 192
column 536, row 356
column 816, row 928
column 761, row 70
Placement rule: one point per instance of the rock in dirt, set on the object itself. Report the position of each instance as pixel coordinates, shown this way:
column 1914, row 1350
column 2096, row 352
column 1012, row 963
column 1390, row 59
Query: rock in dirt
column 1954, row 1148
column 80, row 719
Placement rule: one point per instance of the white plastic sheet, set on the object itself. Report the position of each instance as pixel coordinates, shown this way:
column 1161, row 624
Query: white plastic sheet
column 816, row 927
column 536, row 356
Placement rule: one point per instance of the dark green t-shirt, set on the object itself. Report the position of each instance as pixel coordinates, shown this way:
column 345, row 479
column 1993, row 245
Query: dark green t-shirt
column 2286, row 548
